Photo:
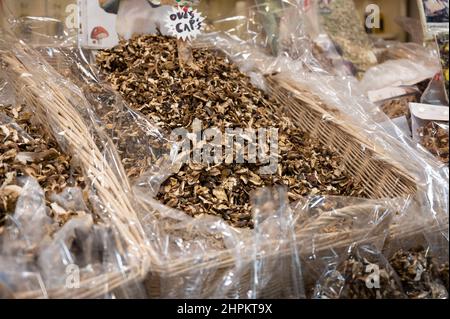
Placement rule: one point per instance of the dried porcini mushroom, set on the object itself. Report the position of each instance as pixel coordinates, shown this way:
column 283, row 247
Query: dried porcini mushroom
column 434, row 137
column 443, row 44
column 359, row 278
column 420, row 274
column 341, row 22
column 27, row 151
column 146, row 72
column 399, row 106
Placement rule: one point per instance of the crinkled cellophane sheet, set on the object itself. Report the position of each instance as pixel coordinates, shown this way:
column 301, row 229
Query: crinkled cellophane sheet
column 183, row 257
column 60, row 112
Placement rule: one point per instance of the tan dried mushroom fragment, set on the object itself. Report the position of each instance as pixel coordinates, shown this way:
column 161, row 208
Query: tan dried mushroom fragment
column 421, row 275
column 434, row 137
column 146, row 72
column 26, row 151
column 138, row 149
column 398, row 107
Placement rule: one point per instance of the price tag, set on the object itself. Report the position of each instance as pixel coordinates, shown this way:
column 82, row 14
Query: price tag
column 429, row 112
column 185, row 23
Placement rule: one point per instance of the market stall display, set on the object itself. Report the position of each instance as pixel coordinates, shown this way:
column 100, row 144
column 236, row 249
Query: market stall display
column 170, row 276
column 114, row 154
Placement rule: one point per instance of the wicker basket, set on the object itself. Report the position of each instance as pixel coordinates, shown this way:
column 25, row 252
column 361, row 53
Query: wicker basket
column 57, row 109
column 380, row 177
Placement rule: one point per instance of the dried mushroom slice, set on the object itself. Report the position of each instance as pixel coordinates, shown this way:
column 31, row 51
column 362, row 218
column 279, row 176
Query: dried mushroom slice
column 434, row 137
column 146, row 72
column 27, row 151
column 420, row 274
column 364, row 274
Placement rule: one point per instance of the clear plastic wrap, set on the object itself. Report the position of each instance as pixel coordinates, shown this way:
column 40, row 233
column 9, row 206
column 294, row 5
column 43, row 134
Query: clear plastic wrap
column 46, row 237
column 97, row 257
column 205, row 257
column 394, row 50
column 285, row 28
column 402, row 260
column 328, row 226
column 406, row 64
column 429, row 124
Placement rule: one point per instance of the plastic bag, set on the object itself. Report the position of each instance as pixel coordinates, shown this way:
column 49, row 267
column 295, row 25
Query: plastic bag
column 339, row 20
column 362, row 273
column 405, row 64
column 274, row 221
column 435, row 92
column 15, row 276
column 408, row 261
column 51, row 29
column 327, row 226
column 430, row 128
column 434, row 137
column 398, row 73
column 95, row 271
column 50, row 241
column 394, row 50
column 290, row 28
